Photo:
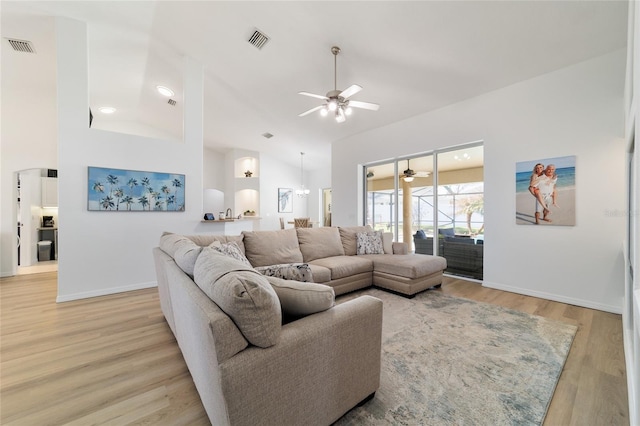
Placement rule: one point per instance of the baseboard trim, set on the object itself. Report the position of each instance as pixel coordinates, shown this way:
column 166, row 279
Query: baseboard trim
column 632, row 373
column 105, row 292
column 556, row 298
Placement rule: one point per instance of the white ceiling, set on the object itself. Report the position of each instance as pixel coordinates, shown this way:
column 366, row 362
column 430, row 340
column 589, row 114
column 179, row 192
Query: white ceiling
column 410, row 57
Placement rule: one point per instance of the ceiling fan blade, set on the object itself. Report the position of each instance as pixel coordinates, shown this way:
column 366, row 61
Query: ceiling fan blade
column 340, row 117
column 364, row 105
column 313, row 95
column 350, row 91
column 310, row 111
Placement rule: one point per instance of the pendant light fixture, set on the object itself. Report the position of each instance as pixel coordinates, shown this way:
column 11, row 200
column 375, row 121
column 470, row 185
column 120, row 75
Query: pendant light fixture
column 302, row 192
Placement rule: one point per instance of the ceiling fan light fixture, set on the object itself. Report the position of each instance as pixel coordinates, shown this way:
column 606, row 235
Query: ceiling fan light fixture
column 348, row 110
column 107, row 110
column 408, row 178
column 333, row 105
column 324, row 111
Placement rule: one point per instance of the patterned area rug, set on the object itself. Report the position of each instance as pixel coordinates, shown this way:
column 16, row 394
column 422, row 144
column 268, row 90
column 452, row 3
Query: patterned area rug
column 453, row 361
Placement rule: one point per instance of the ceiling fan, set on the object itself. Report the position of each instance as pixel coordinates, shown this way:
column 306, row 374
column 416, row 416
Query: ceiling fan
column 336, row 101
column 409, row 174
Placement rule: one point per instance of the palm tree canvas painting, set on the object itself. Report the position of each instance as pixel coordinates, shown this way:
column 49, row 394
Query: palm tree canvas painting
column 132, row 190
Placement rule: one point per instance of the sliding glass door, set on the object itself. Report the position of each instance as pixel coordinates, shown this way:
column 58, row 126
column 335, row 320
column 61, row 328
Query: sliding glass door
column 436, row 194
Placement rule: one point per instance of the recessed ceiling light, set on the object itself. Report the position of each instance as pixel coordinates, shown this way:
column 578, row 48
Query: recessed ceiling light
column 107, row 110
column 165, row 91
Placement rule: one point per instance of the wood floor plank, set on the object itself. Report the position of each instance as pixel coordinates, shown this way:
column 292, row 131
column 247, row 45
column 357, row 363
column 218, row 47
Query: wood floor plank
column 113, row 359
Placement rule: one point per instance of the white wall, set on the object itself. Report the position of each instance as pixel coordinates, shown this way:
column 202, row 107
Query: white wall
column 213, row 169
column 573, row 111
column 276, row 174
column 106, row 252
column 28, row 131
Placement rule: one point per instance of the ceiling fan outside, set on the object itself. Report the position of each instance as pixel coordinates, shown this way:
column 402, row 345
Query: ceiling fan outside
column 336, row 101
column 409, row 174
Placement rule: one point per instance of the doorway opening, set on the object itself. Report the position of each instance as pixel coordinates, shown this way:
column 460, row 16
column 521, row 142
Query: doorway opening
column 36, row 213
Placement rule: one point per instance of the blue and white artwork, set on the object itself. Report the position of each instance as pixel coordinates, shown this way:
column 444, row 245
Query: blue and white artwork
column 132, row 190
column 285, row 200
column 546, row 191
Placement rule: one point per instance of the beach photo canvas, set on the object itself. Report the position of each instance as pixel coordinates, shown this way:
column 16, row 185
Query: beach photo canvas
column 546, row 191
column 133, row 190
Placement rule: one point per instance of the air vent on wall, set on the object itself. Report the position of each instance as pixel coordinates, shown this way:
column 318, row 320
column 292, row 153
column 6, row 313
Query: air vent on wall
column 172, row 102
column 267, row 135
column 258, row 39
column 21, row 45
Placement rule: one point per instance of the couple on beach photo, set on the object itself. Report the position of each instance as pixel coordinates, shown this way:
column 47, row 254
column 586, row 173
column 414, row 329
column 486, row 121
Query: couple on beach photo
column 539, row 185
column 542, row 185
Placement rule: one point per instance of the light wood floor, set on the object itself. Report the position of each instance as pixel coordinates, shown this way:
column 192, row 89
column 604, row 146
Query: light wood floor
column 113, row 360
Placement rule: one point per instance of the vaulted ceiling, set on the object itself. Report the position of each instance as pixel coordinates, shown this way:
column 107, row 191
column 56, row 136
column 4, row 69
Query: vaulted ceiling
column 410, row 57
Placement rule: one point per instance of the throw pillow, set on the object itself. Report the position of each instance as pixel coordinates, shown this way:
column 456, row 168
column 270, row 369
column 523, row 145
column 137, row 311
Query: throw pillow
column 348, row 237
column 288, row 271
column 298, row 299
column 243, row 294
column 232, row 250
column 369, row 243
column 387, row 242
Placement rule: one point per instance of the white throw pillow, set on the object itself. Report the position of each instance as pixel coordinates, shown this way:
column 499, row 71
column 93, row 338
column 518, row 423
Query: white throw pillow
column 369, row 243
column 288, row 271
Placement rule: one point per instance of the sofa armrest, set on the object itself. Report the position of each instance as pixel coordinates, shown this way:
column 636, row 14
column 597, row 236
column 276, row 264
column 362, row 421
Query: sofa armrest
column 323, row 365
column 400, row 248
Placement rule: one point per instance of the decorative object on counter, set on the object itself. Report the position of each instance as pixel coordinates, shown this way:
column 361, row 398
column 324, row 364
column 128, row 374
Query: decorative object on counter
column 221, row 216
column 248, row 173
column 285, row 196
column 132, row 190
column 208, row 216
column 249, row 213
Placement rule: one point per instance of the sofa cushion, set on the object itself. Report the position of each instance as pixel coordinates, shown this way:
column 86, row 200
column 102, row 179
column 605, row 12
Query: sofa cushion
column 320, row 274
column 344, row 266
column 186, row 256
column 288, row 271
column 297, row 298
column 181, row 249
column 316, row 243
column 369, row 243
column 264, row 248
column 348, row 237
column 170, row 242
column 232, row 250
column 407, row 265
column 243, row 294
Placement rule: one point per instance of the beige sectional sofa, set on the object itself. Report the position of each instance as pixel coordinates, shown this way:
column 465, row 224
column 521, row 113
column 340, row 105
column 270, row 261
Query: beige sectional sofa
column 331, row 254
column 252, row 366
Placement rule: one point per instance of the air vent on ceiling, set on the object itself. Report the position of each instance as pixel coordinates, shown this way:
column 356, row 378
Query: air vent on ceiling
column 267, row 135
column 258, row 39
column 172, row 102
column 21, row 45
